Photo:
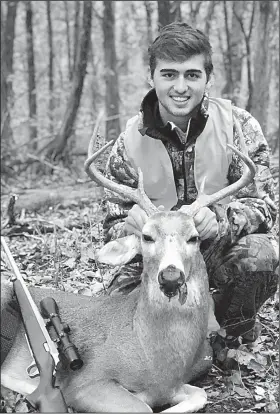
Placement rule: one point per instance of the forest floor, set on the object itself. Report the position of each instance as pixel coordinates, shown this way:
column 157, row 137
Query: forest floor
column 53, row 244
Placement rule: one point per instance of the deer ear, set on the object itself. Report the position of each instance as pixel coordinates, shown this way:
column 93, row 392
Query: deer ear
column 119, row 252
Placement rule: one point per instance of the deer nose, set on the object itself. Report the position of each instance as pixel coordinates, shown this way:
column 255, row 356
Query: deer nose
column 171, row 275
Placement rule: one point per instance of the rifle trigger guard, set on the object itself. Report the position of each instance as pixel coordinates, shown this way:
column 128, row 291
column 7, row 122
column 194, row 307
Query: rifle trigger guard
column 32, row 370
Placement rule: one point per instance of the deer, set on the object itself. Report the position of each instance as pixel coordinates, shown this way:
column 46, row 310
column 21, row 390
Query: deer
column 142, row 350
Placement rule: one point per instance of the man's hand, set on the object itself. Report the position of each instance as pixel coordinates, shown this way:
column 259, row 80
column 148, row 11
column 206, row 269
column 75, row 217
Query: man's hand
column 135, row 220
column 206, row 223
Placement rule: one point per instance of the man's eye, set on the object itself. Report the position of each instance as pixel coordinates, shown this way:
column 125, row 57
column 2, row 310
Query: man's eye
column 193, row 76
column 147, row 238
column 168, row 75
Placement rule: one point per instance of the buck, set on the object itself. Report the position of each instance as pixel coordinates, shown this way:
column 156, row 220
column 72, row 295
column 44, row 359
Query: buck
column 140, row 351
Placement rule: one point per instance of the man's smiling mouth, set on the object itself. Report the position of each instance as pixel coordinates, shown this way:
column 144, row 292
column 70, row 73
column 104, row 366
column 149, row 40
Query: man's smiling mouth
column 180, row 98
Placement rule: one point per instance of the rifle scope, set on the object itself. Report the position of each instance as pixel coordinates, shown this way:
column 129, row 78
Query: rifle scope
column 68, row 352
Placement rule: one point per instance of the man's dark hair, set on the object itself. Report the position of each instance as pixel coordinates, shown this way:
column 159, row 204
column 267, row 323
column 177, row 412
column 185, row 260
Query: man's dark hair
column 177, row 42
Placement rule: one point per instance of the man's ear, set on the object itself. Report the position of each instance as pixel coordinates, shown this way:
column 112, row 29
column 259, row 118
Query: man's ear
column 209, row 83
column 150, row 80
column 119, row 252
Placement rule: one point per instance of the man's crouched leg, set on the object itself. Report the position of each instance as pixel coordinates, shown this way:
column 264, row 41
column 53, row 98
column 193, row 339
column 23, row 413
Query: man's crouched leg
column 245, row 276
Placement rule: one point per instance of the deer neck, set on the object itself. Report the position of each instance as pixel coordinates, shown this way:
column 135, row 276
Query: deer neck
column 170, row 334
column 158, row 318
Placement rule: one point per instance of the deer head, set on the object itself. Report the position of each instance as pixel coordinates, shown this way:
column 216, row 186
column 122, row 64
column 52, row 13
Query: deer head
column 169, row 242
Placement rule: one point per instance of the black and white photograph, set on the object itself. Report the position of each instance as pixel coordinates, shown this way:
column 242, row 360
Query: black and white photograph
column 140, row 206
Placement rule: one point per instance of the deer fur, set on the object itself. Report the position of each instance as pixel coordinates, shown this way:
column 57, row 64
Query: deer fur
column 138, row 350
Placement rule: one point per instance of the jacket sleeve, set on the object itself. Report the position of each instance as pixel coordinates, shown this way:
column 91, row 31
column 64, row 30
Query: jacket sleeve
column 252, row 209
column 120, row 170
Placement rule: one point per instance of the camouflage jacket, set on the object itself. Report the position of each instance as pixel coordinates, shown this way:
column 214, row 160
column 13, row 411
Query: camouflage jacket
column 258, row 213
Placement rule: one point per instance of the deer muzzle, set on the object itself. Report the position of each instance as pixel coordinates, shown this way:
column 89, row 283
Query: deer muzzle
column 170, row 280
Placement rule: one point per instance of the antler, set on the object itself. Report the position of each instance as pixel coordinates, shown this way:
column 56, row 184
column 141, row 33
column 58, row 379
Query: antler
column 137, row 195
column 204, row 200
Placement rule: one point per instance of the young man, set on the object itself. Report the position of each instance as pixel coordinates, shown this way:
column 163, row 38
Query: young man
column 179, row 137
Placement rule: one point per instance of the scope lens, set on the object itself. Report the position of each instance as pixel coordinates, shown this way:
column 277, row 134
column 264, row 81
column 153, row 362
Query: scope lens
column 76, row 364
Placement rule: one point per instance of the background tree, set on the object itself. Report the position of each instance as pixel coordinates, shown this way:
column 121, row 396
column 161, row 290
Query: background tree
column 50, row 42
column 7, row 49
column 32, row 101
column 76, row 34
column 168, row 11
column 236, row 50
column 194, row 10
column 149, row 10
column 247, row 37
column 175, row 11
column 262, row 63
column 164, row 14
column 228, row 88
column 70, row 72
column 110, row 72
column 210, row 12
column 57, row 147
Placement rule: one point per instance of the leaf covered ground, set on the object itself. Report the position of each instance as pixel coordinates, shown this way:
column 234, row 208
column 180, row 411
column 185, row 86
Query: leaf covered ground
column 59, row 253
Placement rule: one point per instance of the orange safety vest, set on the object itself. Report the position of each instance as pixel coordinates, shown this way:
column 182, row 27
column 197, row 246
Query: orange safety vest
column 212, row 156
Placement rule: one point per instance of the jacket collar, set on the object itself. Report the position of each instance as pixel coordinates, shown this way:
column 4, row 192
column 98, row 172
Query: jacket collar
column 150, row 123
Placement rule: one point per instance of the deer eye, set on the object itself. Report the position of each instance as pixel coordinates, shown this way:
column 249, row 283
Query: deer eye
column 147, row 238
column 193, row 239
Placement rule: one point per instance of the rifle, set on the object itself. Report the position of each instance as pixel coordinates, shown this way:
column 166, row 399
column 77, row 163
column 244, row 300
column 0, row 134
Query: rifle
column 46, row 397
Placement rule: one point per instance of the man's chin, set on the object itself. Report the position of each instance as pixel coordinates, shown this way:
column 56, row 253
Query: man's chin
column 180, row 113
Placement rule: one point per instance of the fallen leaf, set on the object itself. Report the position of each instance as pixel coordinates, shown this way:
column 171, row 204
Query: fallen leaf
column 259, row 397
column 256, row 367
column 272, row 407
column 71, row 263
column 84, row 291
column 97, row 288
column 259, row 406
column 259, row 390
column 241, row 391
column 235, row 378
column 89, row 274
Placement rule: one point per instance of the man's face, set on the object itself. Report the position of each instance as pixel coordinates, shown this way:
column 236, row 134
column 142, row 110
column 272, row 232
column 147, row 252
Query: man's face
column 179, row 87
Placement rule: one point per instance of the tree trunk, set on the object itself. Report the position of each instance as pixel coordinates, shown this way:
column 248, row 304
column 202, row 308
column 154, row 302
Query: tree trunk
column 194, row 6
column 70, row 73
column 233, row 59
column 7, row 51
column 76, row 34
column 260, row 97
column 148, row 8
column 228, row 88
column 210, row 12
column 175, row 11
column 164, row 15
column 111, row 75
column 247, row 38
column 249, row 75
column 50, row 41
column 56, row 148
column 31, row 75
column 149, row 26
column 236, row 51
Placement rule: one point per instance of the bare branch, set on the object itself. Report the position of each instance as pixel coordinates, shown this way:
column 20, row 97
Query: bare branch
column 252, row 20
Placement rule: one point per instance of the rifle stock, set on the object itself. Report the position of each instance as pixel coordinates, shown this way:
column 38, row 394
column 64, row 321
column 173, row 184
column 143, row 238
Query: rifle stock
column 47, row 397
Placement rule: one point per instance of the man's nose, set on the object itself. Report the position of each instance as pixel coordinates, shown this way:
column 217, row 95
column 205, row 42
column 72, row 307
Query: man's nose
column 180, row 85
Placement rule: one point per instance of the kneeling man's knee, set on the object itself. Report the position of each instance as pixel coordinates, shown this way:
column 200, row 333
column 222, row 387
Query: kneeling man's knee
column 256, row 252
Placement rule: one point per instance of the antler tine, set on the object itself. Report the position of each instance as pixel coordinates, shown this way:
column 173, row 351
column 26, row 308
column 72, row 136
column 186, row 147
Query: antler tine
column 249, row 172
column 137, row 195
